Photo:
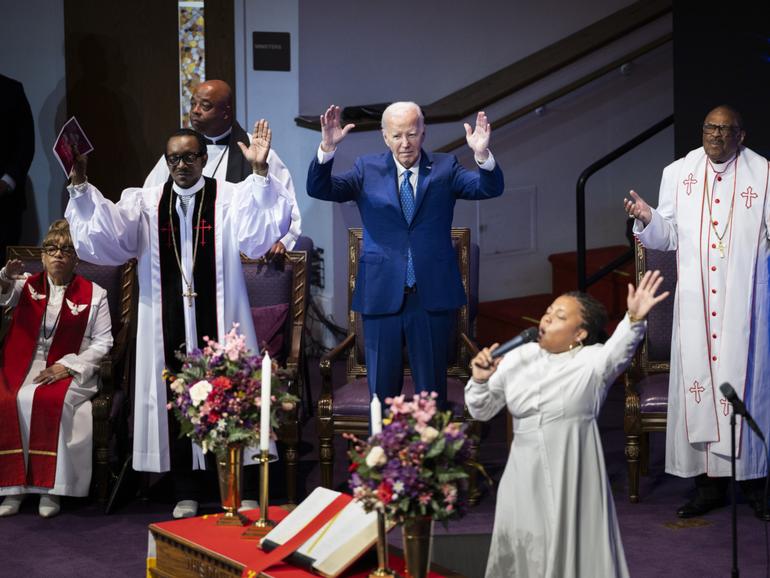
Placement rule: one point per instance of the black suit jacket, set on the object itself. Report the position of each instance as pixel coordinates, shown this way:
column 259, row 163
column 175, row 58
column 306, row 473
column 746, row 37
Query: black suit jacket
column 17, row 145
column 238, row 168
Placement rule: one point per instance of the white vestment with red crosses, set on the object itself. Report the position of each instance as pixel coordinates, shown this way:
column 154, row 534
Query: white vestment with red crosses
column 717, row 217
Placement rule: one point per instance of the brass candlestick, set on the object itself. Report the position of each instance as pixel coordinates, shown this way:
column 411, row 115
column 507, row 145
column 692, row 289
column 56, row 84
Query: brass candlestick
column 262, row 526
column 382, row 570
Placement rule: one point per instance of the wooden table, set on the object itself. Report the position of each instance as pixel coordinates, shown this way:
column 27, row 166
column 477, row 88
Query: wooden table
column 198, row 548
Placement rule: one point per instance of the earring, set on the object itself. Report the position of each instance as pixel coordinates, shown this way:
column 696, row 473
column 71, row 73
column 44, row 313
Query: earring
column 576, row 345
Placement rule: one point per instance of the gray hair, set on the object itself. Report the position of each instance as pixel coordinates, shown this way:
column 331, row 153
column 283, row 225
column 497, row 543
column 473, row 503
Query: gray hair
column 401, row 107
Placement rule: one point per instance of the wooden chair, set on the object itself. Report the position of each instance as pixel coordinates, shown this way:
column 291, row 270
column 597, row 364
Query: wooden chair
column 646, row 381
column 278, row 293
column 344, row 407
column 109, row 407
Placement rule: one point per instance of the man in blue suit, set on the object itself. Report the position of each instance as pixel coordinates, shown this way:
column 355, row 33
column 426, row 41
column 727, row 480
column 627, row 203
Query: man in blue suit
column 408, row 286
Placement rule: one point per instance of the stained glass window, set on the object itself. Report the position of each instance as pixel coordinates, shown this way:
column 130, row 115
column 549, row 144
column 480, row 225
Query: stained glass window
column 192, row 54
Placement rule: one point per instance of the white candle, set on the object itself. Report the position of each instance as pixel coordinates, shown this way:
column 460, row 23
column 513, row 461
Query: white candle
column 264, row 425
column 375, row 410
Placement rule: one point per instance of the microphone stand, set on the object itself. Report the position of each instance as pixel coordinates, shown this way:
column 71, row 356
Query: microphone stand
column 735, row 573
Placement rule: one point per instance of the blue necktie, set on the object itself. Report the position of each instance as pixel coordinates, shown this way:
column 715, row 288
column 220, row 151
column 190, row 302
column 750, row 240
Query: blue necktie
column 406, row 192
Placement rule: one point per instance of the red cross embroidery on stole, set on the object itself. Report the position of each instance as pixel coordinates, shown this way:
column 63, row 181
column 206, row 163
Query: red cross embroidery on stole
column 749, row 194
column 696, row 389
column 203, row 227
column 167, row 229
column 689, row 182
column 725, row 406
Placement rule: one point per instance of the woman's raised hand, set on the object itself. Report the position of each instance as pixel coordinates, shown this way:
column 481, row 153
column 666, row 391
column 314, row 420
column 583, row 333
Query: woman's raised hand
column 642, row 298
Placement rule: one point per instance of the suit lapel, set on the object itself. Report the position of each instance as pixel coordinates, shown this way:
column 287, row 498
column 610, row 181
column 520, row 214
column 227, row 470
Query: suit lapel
column 394, row 195
column 423, row 181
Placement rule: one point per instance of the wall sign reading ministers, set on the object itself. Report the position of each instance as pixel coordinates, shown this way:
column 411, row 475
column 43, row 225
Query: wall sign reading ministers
column 271, row 51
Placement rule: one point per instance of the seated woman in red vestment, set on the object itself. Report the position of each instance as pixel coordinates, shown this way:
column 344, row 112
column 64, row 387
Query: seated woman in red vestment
column 49, row 365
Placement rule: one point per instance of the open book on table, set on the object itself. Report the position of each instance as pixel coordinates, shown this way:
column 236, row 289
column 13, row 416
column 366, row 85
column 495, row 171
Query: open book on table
column 339, row 543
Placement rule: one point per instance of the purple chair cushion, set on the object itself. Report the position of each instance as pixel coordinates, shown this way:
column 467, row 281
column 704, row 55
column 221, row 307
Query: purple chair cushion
column 352, row 399
column 269, row 324
column 653, row 393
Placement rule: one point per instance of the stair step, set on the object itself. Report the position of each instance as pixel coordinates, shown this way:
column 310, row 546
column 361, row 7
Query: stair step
column 611, row 290
column 498, row 321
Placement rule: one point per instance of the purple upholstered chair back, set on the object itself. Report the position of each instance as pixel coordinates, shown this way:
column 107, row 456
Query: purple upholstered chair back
column 276, row 292
column 656, row 352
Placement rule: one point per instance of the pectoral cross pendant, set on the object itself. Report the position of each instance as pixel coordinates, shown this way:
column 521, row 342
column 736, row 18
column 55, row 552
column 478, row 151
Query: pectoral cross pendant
column 721, row 247
column 190, row 294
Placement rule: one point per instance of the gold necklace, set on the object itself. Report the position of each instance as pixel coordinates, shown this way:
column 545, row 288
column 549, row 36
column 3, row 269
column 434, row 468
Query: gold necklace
column 720, row 245
column 190, row 294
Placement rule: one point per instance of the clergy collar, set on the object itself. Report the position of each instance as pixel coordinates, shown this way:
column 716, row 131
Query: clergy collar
column 188, row 192
column 224, row 137
column 722, row 167
column 54, row 287
column 401, row 168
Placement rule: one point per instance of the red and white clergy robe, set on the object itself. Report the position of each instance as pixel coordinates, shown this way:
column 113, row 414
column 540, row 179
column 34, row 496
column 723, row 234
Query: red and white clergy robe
column 75, row 445
column 721, row 308
column 250, row 217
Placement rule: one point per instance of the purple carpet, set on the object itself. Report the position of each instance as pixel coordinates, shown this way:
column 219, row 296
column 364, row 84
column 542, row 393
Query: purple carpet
column 83, row 542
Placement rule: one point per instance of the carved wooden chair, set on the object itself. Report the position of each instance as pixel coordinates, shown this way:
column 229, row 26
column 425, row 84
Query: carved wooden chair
column 646, row 381
column 344, row 407
column 109, row 407
column 277, row 295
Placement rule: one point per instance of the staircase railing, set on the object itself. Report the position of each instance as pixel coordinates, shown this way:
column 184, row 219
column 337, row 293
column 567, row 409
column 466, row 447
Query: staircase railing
column 565, row 90
column 523, row 73
column 583, row 280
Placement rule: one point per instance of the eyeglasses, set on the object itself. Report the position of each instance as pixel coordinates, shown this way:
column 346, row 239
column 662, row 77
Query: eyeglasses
column 188, row 158
column 66, row 250
column 721, row 128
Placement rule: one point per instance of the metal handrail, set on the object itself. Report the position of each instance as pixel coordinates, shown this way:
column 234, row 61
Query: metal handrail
column 582, row 280
column 566, row 89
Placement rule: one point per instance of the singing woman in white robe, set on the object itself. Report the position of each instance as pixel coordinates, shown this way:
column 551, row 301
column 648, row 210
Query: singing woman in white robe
column 555, row 515
column 75, row 443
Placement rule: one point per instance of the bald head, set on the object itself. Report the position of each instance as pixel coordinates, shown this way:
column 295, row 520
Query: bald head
column 211, row 108
column 723, row 133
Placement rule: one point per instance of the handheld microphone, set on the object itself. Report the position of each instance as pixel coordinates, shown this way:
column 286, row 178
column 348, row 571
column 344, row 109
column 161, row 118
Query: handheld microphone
column 740, row 408
column 524, row 337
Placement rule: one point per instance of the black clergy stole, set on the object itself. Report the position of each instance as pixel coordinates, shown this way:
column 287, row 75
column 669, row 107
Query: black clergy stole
column 173, row 302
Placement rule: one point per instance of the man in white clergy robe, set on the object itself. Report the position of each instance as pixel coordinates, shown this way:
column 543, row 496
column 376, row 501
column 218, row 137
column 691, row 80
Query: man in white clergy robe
column 187, row 235
column 211, row 114
column 713, row 210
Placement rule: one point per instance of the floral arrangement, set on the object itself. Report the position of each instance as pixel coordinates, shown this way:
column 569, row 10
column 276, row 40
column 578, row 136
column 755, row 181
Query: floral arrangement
column 415, row 466
column 217, row 394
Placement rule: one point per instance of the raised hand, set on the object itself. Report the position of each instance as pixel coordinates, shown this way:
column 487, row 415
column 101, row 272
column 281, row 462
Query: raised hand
column 256, row 153
column 483, row 366
column 637, row 208
column 478, row 137
column 14, row 268
column 79, row 165
column 332, row 131
column 642, row 298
